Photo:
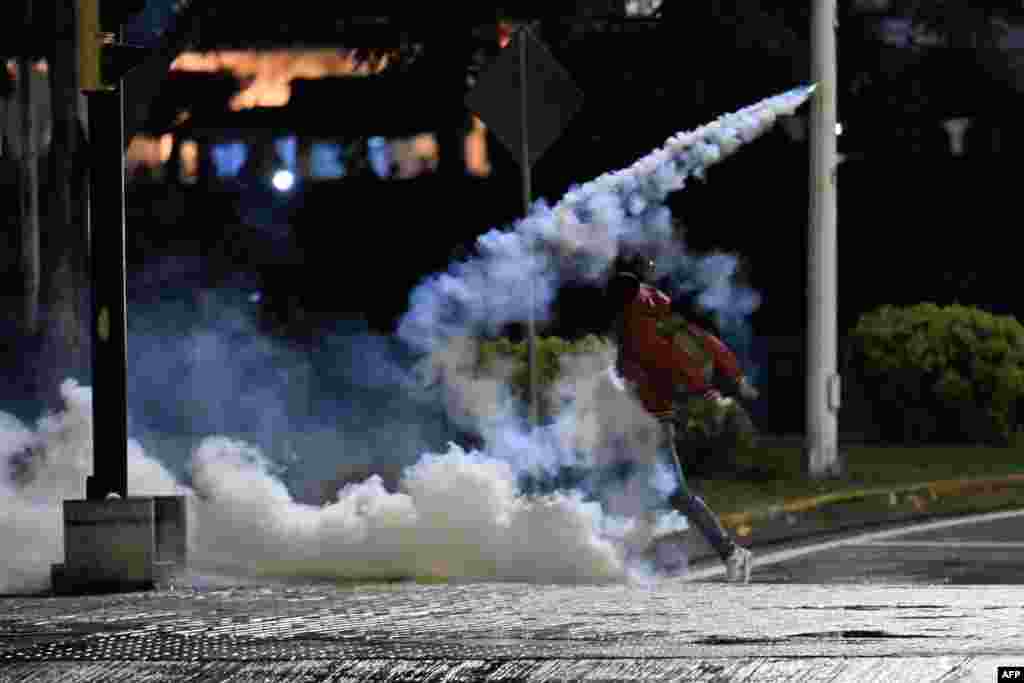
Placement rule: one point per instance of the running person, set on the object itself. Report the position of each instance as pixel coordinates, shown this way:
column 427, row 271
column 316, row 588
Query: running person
column 654, row 367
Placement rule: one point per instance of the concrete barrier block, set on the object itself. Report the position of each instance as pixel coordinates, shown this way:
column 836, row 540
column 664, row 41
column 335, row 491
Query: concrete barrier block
column 108, row 545
column 171, row 518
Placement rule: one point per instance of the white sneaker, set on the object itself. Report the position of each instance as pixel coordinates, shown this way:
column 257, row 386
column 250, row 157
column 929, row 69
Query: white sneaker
column 738, row 565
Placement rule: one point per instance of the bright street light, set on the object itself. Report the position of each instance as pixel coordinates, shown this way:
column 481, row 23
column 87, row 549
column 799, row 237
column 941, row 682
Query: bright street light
column 283, row 180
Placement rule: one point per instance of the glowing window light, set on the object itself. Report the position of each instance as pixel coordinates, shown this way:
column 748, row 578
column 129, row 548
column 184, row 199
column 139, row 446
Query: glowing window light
column 228, row 158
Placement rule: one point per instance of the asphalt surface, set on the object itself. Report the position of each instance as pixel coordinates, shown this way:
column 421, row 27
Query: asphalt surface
column 983, row 549
column 942, row 601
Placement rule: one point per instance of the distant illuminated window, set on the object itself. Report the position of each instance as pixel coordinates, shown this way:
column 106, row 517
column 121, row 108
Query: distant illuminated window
column 287, row 149
column 325, row 159
column 896, row 31
column 228, row 158
column 642, row 8
column 380, row 156
column 189, row 161
column 415, row 156
column 475, row 150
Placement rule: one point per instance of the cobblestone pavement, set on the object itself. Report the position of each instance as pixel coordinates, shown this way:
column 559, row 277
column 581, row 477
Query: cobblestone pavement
column 212, row 630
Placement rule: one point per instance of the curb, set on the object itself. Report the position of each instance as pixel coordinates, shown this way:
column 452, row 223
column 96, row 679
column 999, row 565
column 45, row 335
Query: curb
column 805, row 518
column 934, row 490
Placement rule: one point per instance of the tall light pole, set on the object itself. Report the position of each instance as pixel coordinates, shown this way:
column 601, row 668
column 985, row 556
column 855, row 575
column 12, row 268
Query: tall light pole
column 821, row 457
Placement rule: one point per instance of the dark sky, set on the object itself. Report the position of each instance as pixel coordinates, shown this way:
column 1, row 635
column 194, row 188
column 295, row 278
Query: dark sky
column 151, row 23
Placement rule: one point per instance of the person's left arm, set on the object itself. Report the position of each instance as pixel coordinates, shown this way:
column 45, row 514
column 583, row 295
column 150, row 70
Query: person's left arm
column 725, row 361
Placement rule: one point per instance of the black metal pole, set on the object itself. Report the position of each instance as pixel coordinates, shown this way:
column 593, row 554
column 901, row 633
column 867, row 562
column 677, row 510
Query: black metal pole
column 109, row 326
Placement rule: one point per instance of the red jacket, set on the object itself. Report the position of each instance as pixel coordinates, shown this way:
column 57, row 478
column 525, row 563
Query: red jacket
column 654, row 365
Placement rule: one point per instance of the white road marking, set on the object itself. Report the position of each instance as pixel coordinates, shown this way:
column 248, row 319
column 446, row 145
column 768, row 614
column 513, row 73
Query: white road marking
column 861, row 539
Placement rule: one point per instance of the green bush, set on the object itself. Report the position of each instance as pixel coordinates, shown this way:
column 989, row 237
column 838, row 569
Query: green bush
column 934, row 374
column 550, row 354
column 714, row 435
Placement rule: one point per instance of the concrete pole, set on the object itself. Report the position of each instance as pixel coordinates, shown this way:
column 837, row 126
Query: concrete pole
column 821, row 456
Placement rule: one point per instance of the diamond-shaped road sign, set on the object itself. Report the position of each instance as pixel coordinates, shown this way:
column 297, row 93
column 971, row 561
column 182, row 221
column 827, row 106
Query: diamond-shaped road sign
column 552, row 99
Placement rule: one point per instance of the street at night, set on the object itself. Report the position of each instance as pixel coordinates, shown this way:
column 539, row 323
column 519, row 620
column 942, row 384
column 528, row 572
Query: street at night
column 598, row 340
column 868, row 609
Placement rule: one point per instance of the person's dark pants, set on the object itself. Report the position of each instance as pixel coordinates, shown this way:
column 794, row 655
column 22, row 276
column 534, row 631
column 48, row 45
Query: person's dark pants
column 649, row 485
column 696, row 510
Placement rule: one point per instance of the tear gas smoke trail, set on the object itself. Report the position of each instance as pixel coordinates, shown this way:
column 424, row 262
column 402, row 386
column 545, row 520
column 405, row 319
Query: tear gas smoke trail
column 578, row 238
column 456, row 514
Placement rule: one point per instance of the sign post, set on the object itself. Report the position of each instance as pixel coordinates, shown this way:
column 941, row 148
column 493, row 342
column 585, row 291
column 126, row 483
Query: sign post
column 547, row 101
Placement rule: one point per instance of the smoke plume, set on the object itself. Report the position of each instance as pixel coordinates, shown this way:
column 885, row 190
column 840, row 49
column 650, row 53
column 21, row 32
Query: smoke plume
column 517, row 272
column 40, row 468
column 455, row 513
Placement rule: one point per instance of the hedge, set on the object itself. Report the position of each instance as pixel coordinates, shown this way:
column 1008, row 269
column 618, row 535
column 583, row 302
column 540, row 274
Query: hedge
column 941, row 374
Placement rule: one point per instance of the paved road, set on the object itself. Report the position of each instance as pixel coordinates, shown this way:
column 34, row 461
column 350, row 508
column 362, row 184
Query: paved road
column 985, row 549
column 890, row 620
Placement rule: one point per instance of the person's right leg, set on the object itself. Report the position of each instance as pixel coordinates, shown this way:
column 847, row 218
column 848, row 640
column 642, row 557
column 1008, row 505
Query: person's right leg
column 738, row 560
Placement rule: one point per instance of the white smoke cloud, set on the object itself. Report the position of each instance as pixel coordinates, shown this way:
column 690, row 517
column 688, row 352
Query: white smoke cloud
column 475, row 400
column 42, row 467
column 456, row 514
